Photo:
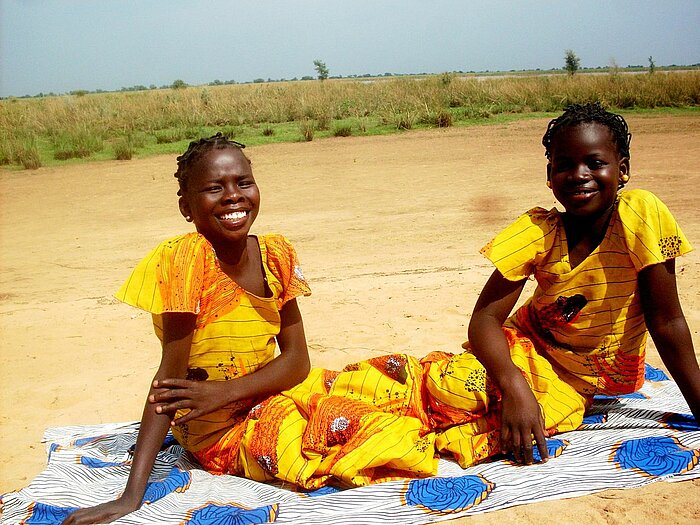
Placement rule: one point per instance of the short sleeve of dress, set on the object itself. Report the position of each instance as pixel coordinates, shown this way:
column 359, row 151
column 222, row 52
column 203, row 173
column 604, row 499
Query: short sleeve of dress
column 651, row 232
column 170, row 278
column 516, row 250
column 283, row 262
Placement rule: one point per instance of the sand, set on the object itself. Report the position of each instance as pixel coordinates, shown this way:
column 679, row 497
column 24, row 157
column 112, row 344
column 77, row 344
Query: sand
column 388, row 230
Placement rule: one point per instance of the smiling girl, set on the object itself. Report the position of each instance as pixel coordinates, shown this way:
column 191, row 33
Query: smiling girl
column 605, row 272
column 221, row 300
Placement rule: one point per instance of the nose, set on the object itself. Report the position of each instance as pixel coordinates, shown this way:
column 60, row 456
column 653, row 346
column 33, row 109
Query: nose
column 581, row 172
column 232, row 193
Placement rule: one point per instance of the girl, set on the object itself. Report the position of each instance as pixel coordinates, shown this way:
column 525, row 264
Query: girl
column 605, row 275
column 220, row 298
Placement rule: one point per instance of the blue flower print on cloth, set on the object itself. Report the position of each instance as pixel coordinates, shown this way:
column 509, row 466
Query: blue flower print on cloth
column 554, row 448
column 655, row 456
column 680, row 421
column 323, row 491
column 595, row 419
column 81, row 442
column 177, row 481
column 446, row 495
column 41, row 514
column 98, row 463
column 633, row 395
column 213, row 514
column 654, row 374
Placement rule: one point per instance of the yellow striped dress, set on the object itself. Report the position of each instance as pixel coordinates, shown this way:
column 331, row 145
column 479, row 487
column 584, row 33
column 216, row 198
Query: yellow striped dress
column 582, row 333
column 235, row 329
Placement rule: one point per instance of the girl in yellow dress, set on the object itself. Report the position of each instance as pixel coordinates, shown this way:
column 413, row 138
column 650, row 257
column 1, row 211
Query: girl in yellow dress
column 605, row 272
column 221, row 301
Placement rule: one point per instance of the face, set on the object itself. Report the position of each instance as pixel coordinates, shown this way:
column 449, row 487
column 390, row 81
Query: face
column 221, row 197
column 586, row 169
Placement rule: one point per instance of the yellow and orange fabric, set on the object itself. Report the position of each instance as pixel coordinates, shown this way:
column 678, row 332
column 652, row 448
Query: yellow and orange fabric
column 235, row 331
column 588, row 320
column 582, row 333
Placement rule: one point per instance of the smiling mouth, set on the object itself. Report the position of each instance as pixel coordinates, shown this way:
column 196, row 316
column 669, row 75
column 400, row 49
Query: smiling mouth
column 581, row 192
column 234, row 216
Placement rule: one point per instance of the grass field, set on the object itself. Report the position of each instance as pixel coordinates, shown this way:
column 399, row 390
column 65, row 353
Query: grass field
column 71, row 128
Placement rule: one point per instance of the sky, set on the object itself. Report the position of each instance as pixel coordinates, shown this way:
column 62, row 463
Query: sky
column 64, row 45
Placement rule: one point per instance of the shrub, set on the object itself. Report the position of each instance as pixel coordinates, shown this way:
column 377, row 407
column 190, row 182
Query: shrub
column 229, row 132
column 167, row 136
column 306, row 127
column 76, row 144
column 268, row 131
column 439, row 119
column 342, row 131
column 123, row 148
column 404, row 120
column 27, row 153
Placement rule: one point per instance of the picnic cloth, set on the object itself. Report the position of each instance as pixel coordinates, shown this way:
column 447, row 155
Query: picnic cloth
column 625, row 441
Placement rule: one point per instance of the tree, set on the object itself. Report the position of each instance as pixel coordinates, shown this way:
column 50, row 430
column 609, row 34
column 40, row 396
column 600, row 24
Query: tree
column 321, row 70
column 178, row 84
column 652, row 66
column 571, row 62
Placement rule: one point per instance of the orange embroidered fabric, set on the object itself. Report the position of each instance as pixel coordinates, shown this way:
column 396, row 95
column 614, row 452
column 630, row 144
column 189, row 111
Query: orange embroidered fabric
column 182, row 274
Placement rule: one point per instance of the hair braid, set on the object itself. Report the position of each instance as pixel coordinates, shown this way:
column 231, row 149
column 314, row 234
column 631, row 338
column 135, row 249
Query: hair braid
column 576, row 114
column 196, row 150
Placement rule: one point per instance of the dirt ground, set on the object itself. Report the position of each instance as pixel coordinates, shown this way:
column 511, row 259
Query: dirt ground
column 388, row 230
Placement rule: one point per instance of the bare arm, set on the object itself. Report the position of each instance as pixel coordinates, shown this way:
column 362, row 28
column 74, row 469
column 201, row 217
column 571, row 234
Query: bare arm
column 669, row 329
column 521, row 418
column 285, row 371
column 177, row 337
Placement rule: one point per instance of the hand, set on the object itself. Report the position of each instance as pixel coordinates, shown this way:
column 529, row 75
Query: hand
column 200, row 397
column 103, row 513
column 521, row 420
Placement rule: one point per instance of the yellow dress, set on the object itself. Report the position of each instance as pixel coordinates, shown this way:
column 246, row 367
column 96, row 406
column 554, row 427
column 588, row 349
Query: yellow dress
column 235, row 331
column 582, row 333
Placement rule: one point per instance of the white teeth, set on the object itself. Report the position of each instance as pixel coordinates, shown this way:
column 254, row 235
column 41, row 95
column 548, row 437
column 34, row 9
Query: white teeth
column 234, row 216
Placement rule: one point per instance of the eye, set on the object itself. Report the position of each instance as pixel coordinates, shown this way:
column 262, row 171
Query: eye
column 246, row 183
column 596, row 164
column 561, row 166
column 212, row 188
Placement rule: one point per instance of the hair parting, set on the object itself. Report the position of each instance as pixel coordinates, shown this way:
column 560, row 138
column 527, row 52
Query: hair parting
column 196, row 150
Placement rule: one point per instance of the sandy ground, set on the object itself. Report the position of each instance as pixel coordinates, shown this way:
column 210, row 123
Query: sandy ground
column 388, row 230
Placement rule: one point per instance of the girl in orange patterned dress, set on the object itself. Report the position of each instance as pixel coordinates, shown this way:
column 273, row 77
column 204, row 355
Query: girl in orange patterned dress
column 222, row 301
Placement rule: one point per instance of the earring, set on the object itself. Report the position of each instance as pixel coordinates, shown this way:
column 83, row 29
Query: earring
column 188, row 218
column 549, row 183
column 624, row 178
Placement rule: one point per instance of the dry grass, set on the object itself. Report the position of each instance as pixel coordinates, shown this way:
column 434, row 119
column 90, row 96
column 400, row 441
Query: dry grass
column 75, row 126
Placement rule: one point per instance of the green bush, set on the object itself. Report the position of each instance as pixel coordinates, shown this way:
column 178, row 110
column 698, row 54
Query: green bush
column 27, row 153
column 342, row 130
column 124, row 148
column 306, row 127
column 76, row 144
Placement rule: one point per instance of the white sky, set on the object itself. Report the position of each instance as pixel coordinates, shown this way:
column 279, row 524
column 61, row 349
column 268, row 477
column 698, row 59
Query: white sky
column 64, row 45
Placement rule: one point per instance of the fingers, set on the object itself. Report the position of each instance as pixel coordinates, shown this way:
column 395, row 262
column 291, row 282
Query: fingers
column 171, row 408
column 521, row 443
column 541, row 441
column 170, row 382
column 192, row 414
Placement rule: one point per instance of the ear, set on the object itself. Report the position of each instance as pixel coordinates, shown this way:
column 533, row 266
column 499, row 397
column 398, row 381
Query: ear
column 624, row 171
column 185, row 208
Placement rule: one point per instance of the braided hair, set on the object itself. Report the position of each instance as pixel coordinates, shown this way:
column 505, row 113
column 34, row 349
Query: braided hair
column 576, row 114
column 196, row 150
